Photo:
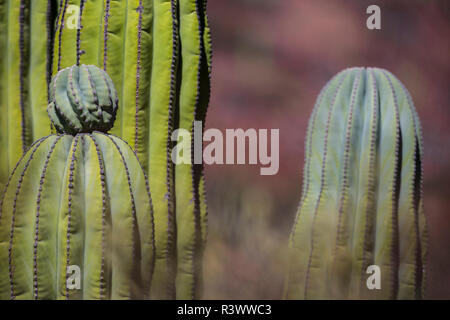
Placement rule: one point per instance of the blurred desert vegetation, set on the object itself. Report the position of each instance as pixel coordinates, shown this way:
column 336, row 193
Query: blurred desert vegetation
column 271, row 58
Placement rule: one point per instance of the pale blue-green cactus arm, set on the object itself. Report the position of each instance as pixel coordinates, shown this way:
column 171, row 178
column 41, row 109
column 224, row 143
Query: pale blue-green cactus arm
column 361, row 202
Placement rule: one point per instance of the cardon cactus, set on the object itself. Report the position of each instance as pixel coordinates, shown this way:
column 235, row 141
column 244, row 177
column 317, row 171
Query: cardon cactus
column 26, row 35
column 362, row 194
column 158, row 54
column 76, row 219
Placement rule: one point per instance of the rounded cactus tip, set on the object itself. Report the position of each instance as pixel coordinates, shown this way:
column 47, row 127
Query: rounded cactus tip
column 82, row 99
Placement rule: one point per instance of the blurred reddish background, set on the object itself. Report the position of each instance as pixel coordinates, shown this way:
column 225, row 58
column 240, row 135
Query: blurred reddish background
column 271, row 58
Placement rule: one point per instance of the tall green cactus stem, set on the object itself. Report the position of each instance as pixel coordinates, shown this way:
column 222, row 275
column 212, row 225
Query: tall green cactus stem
column 79, row 199
column 188, row 177
column 158, row 53
column 26, row 35
column 362, row 193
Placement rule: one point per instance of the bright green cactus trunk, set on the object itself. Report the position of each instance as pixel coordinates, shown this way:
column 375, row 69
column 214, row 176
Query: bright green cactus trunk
column 78, row 201
column 362, row 193
column 26, row 31
column 188, row 178
column 158, row 54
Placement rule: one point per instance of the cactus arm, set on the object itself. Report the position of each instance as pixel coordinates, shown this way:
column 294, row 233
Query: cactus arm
column 89, row 39
column 422, row 228
column 387, row 191
column 93, row 207
column 324, row 218
column 71, row 224
column 340, row 271
column 144, row 218
column 63, row 52
column 207, row 37
column 422, row 221
column 115, row 64
column 104, row 289
column 407, row 219
column 144, row 209
column 79, row 28
column 72, row 171
column 115, row 46
column 418, row 198
column 115, row 35
column 136, row 42
column 40, row 15
column 125, row 258
column 24, row 42
column 39, row 288
column 24, row 32
column 126, row 35
column 6, row 221
column 364, row 214
column 203, row 211
column 56, row 61
column 45, row 228
column 359, row 145
column 18, row 164
column 424, row 238
column 106, row 30
column 54, row 65
column 22, row 225
column 72, row 42
column 186, row 186
column 206, row 88
column 162, row 104
column 291, row 280
column 4, row 161
column 374, row 216
column 97, row 224
column 301, row 231
column 142, row 80
column 13, row 95
column 51, row 16
column 409, row 250
column 312, row 199
column 131, row 117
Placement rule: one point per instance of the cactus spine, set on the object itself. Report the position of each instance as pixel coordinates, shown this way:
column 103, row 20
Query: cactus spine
column 78, row 199
column 362, row 193
column 26, row 34
column 158, row 53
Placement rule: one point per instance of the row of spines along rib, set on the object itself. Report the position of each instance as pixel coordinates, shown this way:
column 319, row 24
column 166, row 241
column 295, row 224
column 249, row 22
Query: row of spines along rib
column 158, row 54
column 362, row 200
column 77, row 201
column 26, row 34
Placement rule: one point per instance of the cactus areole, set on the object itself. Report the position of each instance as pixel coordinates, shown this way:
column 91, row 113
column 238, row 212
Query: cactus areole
column 76, row 218
column 82, row 100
